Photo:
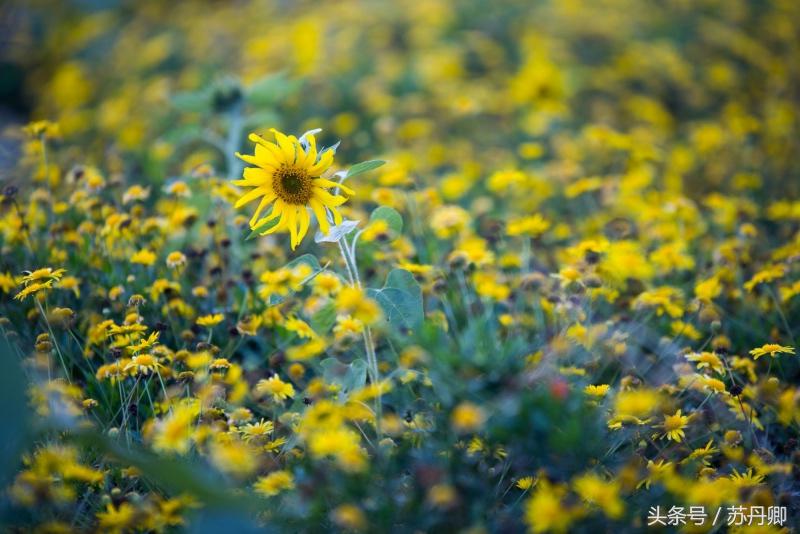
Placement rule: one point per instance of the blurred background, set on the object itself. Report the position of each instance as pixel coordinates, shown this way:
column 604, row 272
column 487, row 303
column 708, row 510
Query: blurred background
column 453, row 86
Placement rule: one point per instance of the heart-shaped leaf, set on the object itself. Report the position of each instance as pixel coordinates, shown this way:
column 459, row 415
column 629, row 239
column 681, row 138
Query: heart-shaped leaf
column 393, row 219
column 401, row 299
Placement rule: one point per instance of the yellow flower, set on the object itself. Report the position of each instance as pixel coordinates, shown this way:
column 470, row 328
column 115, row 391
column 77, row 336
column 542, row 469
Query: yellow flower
column 442, row 496
column 33, row 289
column 326, row 283
column 135, row 192
column 144, row 257
column 545, row 510
column 287, row 175
column 708, row 360
column 584, row 185
column 349, row 517
column 220, row 365
column 703, row 452
column 467, row 417
column 636, row 403
column 143, row 364
column 531, row 226
column 144, row 344
column 176, row 259
column 274, row 483
column 42, row 129
column 174, row 433
column 772, row 349
column 211, row 320
column 7, row 282
column 526, row 483
column 45, row 273
column 117, row 519
column 307, row 350
column 340, row 443
column 256, row 431
column 354, row 301
column 603, row 493
column 276, row 387
column 249, row 325
column 674, row 425
column 599, row 390
column 299, row 327
column 664, row 299
column 709, row 289
column 346, row 326
column 765, row 275
column 234, row 457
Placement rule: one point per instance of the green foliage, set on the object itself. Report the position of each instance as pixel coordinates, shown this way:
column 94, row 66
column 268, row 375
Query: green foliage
column 364, row 166
column 401, row 300
column 393, row 219
column 349, row 377
column 15, row 429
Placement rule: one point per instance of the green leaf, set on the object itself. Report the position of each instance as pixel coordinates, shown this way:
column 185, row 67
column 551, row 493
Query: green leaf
column 324, row 318
column 214, row 521
column 401, row 300
column 393, row 219
column 363, row 167
column 176, row 474
column 14, row 430
column 194, row 101
column 308, row 259
column 349, row 377
column 402, row 279
column 256, row 232
column 259, row 119
column 183, row 134
column 270, row 90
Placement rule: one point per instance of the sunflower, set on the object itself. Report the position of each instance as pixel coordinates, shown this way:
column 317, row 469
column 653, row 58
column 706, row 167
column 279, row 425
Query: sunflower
column 288, row 175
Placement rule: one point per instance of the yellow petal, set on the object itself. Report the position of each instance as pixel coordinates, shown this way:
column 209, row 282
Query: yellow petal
column 250, row 196
column 287, row 146
column 327, row 199
column 266, row 157
column 321, row 214
column 312, row 147
column 322, row 165
column 291, row 222
column 277, row 209
column 278, row 227
column 323, row 182
column 261, row 205
column 305, row 221
column 337, row 217
column 254, row 176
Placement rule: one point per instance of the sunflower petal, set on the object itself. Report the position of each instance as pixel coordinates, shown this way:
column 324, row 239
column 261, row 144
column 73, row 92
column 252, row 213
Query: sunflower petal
column 321, row 214
column 261, row 205
column 323, row 182
column 328, row 199
column 250, row 196
column 305, row 221
column 322, row 165
column 291, row 222
column 287, row 146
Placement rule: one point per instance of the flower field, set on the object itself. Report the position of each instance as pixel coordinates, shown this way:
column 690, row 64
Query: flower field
column 400, row 266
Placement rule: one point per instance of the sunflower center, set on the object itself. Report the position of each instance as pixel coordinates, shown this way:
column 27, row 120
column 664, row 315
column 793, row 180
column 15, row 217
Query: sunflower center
column 292, row 185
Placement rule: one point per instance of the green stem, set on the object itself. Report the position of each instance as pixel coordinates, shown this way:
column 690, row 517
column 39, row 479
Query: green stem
column 53, row 339
column 348, row 255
